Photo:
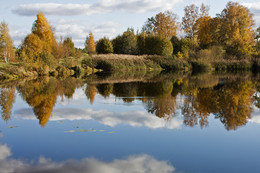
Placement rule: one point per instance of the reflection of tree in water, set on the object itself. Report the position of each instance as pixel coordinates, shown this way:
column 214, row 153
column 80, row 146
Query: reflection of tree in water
column 7, row 97
column 163, row 107
column 126, row 90
column 231, row 103
column 42, row 95
column 105, row 89
column 235, row 104
column 90, row 92
column 162, row 103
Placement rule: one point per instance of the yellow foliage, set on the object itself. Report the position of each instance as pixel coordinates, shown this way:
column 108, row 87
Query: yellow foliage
column 237, row 29
column 203, row 25
column 6, row 44
column 179, row 55
column 90, row 44
column 41, row 40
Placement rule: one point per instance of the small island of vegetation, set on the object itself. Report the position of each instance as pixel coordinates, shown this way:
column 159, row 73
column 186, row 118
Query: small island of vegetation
column 225, row 43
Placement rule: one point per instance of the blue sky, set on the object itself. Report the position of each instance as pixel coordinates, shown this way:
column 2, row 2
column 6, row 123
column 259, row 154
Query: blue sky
column 102, row 17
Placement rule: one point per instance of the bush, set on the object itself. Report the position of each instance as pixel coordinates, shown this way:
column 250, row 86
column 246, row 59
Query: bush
column 234, row 65
column 176, row 44
column 157, row 45
column 125, row 44
column 211, row 54
column 87, row 62
column 170, row 64
column 104, row 65
column 62, row 71
column 141, row 48
column 104, row 46
column 198, row 67
column 47, row 59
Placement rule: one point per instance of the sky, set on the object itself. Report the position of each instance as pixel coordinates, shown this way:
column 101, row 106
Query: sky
column 107, row 18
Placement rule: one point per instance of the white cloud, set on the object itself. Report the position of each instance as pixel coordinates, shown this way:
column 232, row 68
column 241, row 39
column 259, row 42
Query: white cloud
column 255, row 119
column 134, row 118
column 75, row 29
column 79, row 31
column 255, row 6
column 138, row 164
column 18, row 36
column 100, row 7
column 255, row 9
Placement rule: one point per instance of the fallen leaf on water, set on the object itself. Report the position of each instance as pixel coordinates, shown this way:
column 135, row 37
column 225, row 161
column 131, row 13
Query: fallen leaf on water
column 70, row 131
column 111, row 132
column 83, row 130
column 60, row 121
column 80, row 123
column 10, row 127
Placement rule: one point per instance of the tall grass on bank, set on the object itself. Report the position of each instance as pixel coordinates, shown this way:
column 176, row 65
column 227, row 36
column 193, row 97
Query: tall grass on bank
column 112, row 62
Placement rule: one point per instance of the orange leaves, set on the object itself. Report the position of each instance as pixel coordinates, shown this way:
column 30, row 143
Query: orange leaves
column 90, row 44
column 164, row 24
column 41, row 40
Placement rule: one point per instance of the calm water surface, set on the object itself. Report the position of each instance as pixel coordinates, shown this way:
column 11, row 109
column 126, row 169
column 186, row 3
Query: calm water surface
column 164, row 123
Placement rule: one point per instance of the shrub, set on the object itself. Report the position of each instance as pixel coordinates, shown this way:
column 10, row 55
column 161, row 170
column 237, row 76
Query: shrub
column 104, row 46
column 176, row 44
column 141, row 48
column 62, row 71
column 125, row 44
column 211, row 54
column 157, row 45
column 104, row 65
column 47, row 59
column 198, row 67
column 87, row 62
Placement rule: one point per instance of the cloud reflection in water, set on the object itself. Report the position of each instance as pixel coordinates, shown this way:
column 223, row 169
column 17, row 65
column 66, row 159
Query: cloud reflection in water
column 134, row 118
column 138, row 164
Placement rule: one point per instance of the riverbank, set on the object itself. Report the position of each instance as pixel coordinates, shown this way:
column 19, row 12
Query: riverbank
column 113, row 62
column 81, row 67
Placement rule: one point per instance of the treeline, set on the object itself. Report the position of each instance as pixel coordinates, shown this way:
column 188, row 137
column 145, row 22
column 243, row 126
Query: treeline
column 229, row 35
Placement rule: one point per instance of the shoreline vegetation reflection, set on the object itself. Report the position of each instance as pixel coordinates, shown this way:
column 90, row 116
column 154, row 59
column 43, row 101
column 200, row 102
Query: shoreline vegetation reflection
column 230, row 99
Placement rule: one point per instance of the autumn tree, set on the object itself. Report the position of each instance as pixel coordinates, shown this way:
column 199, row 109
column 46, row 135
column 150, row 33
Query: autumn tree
column 90, row 44
column 163, row 24
column 191, row 14
column 41, row 40
column 69, row 47
column 236, row 30
column 59, row 51
column 203, row 27
column 6, row 44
